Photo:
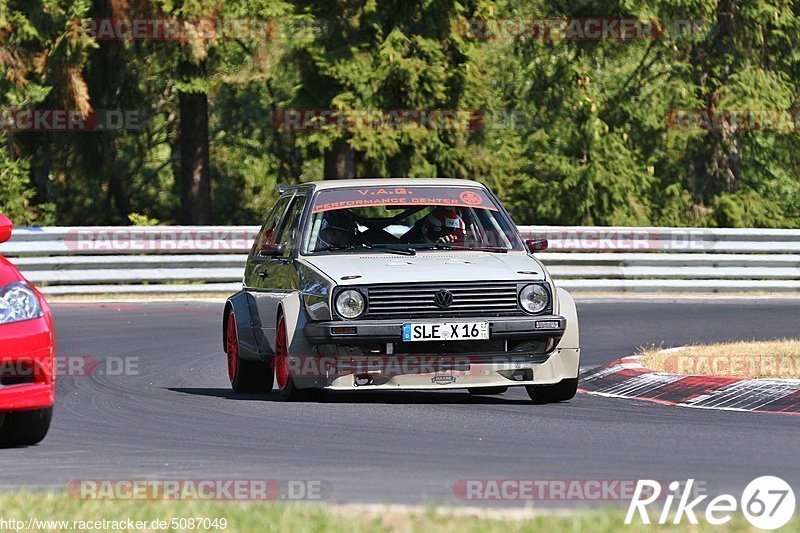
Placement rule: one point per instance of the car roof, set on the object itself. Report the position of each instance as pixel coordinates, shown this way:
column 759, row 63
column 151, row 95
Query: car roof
column 389, row 182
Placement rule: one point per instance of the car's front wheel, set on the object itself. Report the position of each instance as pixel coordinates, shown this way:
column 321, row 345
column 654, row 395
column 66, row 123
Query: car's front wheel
column 560, row 392
column 25, row 428
column 244, row 375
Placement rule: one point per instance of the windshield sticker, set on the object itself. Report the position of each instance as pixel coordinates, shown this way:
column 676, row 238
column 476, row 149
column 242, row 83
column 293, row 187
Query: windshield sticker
column 331, row 200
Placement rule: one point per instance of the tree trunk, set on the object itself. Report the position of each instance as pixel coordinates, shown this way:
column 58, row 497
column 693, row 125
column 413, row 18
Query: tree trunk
column 40, row 173
column 195, row 178
column 340, row 161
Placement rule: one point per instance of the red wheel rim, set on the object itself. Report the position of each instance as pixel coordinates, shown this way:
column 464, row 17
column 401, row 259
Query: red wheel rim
column 281, row 355
column 233, row 347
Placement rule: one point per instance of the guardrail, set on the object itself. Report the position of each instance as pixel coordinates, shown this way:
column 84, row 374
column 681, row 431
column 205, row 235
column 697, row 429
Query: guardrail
column 173, row 259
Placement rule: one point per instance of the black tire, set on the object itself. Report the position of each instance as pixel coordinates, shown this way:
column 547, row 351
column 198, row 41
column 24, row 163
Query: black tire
column 25, row 428
column 479, row 391
column 291, row 393
column 252, row 376
column 560, row 392
column 245, row 375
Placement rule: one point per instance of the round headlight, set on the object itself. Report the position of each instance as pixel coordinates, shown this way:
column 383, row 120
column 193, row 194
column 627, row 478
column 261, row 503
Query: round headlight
column 17, row 303
column 350, row 303
column 534, row 298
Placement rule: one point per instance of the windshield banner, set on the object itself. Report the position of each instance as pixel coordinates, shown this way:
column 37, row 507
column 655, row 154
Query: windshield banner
column 331, row 200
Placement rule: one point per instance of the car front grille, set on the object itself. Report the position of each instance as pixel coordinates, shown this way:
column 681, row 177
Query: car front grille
column 484, row 298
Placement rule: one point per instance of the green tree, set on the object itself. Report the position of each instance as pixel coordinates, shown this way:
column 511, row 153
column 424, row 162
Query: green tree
column 394, row 55
column 41, row 62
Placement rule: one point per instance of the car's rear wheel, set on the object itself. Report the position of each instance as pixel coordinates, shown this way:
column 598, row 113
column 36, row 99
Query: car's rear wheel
column 25, row 428
column 560, row 392
column 244, row 375
column 480, row 391
column 283, row 374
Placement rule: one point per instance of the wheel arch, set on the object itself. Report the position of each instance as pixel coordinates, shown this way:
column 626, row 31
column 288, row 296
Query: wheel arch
column 567, row 309
column 238, row 304
column 225, row 314
column 293, row 310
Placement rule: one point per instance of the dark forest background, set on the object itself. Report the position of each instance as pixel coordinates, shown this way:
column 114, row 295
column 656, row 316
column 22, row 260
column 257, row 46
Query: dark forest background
column 574, row 131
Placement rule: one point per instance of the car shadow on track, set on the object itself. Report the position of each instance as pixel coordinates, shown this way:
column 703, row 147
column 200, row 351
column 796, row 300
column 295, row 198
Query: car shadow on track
column 228, row 394
column 366, row 397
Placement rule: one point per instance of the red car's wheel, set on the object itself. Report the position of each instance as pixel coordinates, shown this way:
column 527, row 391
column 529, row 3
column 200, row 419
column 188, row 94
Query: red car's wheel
column 244, row 375
column 25, row 428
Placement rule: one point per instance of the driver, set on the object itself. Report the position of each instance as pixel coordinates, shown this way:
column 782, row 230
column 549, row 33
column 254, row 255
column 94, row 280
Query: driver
column 442, row 225
column 338, row 230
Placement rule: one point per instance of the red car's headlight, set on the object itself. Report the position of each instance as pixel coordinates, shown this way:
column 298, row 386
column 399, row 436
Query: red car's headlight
column 17, row 303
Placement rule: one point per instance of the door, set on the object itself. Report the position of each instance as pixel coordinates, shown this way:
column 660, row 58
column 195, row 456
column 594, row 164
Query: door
column 270, row 277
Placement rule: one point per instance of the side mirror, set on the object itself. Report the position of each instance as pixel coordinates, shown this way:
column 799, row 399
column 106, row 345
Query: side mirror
column 536, row 245
column 5, row 228
column 269, row 249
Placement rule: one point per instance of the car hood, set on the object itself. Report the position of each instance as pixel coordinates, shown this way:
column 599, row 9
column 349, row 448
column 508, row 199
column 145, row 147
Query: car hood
column 8, row 273
column 428, row 266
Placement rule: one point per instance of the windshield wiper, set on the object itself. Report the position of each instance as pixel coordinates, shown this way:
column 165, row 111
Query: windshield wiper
column 492, row 249
column 399, row 251
column 445, row 246
column 333, row 248
column 353, row 247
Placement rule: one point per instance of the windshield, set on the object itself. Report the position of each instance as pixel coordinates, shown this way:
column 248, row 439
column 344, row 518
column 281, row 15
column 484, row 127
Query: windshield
column 405, row 220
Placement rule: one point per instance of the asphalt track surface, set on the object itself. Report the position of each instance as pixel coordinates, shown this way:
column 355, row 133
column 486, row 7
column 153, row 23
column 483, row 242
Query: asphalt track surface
column 176, row 417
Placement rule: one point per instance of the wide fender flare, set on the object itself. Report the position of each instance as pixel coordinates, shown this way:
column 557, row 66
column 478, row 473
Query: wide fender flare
column 301, row 353
column 294, row 313
column 240, row 304
column 567, row 309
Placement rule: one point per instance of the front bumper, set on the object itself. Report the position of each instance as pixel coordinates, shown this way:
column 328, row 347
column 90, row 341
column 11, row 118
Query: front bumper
column 378, row 331
column 441, row 369
column 27, row 361
column 410, row 372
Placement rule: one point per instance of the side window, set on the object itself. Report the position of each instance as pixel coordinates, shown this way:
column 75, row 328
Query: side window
column 289, row 230
column 268, row 233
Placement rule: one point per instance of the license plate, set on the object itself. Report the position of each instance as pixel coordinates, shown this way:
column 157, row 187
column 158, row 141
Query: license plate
column 446, row 331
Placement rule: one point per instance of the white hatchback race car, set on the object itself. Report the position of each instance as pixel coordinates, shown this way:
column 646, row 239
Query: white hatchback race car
column 398, row 284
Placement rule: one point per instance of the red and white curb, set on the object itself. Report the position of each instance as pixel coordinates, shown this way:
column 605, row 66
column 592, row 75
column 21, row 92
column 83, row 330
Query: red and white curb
column 626, row 378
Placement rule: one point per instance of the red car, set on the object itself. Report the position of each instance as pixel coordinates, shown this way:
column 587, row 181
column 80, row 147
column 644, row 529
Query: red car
column 27, row 356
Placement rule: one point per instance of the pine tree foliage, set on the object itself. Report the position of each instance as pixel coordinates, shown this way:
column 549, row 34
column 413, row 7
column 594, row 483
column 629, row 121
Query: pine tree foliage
column 567, row 131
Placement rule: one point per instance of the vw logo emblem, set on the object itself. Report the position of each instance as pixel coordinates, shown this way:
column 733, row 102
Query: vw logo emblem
column 443, row 299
